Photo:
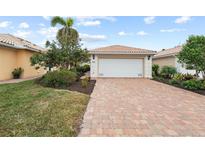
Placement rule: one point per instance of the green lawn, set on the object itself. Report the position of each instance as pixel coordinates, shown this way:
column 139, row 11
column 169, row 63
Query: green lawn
column 28, row 109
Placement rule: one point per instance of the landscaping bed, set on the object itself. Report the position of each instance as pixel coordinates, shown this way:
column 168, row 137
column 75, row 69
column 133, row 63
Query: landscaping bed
column 166, row 81
column 76, row 86
column 68, row 79
column 169, row 75
column 29, row 109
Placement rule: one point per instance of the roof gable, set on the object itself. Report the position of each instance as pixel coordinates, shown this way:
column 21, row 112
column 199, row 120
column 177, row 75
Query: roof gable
column 120, row 49
column 168, row 52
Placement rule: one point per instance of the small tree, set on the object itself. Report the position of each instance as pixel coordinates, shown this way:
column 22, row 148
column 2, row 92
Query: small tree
column 49, row 59
column 66, row 52
column 78, row 57
column 193, row 54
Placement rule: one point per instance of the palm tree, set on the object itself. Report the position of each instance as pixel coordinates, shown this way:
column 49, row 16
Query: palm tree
column 66, row 35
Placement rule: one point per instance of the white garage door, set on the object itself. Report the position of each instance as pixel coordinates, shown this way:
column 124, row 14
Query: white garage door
column 120, row 68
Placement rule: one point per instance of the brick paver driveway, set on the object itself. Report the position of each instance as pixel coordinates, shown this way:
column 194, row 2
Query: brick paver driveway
column 142, row 107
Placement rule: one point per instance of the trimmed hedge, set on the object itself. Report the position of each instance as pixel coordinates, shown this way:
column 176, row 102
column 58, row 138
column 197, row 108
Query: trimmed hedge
column 58, row 79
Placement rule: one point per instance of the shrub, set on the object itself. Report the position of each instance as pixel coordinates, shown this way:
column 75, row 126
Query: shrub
column 203, row 84
column 58, row 79
column 84, row 82
column 167, row 72
column 86, row 68
column 155, row 70
column 192, row 84
column 81, row 70
column 17, row 72
column 183, row 77
column 178, row 76
column 174, row 82
column 188, row 77
column 78, row 74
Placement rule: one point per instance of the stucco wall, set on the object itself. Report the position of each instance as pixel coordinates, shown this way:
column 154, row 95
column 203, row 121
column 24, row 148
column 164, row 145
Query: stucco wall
column 173, row 61
column 7, row 63
column 23, row 60
column 11, row 58
column 167, row 61
column 147, row 69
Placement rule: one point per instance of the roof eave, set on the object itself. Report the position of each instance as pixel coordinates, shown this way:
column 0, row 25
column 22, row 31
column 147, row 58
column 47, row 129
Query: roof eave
column 164, row 56
column 20, row 48
column 123, row 53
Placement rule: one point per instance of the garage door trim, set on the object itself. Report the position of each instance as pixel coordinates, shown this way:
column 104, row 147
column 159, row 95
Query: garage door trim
column 130, row 74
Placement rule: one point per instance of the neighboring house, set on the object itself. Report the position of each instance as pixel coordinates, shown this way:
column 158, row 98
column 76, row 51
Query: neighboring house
column 16, row 52
column 168, row 58
column 121, row 61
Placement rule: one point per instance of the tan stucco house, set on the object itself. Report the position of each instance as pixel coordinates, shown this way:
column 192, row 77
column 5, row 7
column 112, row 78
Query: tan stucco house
column 168, row 58
column 16, row 52
column 121, row 61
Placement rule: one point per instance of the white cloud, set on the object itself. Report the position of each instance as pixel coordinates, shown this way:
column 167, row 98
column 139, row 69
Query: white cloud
column 23, row 25
column 4, row 24
column 22, row 34
column 108, row 18
column 182, row 20
column 49, row 32
column 90, row 23
column 149, row 20
column 92, row 38
column 142, row 33
column 171, row 30
column 42, row 43
column 41, row 24
column 46, row 17
column 122, row 33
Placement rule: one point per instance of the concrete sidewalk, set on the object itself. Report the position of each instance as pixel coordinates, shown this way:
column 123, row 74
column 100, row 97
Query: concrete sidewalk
column 18, row 80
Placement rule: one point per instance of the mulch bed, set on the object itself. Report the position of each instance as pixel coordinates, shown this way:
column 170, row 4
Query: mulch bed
column 202, row 92
column 77, row 87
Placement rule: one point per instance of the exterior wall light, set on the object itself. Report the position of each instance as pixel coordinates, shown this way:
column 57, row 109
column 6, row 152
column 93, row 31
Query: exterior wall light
column 149, row 57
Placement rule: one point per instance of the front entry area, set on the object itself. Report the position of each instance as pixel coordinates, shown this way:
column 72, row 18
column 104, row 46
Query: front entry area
column 120, row 68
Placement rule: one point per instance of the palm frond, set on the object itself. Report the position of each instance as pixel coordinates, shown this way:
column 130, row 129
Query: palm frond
column 69, row 22
column 58, row 20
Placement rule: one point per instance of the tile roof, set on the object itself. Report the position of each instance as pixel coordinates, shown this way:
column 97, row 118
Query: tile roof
column 11, row 41
column 168, row 52
column 120, row 49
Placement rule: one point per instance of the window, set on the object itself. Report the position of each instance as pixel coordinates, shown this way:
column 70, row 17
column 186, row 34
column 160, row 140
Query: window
column 93, row 56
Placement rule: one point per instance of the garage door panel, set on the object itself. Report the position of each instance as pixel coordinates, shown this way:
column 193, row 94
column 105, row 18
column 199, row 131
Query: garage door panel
column 120, row 67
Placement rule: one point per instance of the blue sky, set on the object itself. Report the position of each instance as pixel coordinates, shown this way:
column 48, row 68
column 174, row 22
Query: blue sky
column 151, row 32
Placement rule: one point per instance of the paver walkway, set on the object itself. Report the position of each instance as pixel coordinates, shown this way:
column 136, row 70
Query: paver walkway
column 142, row 107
